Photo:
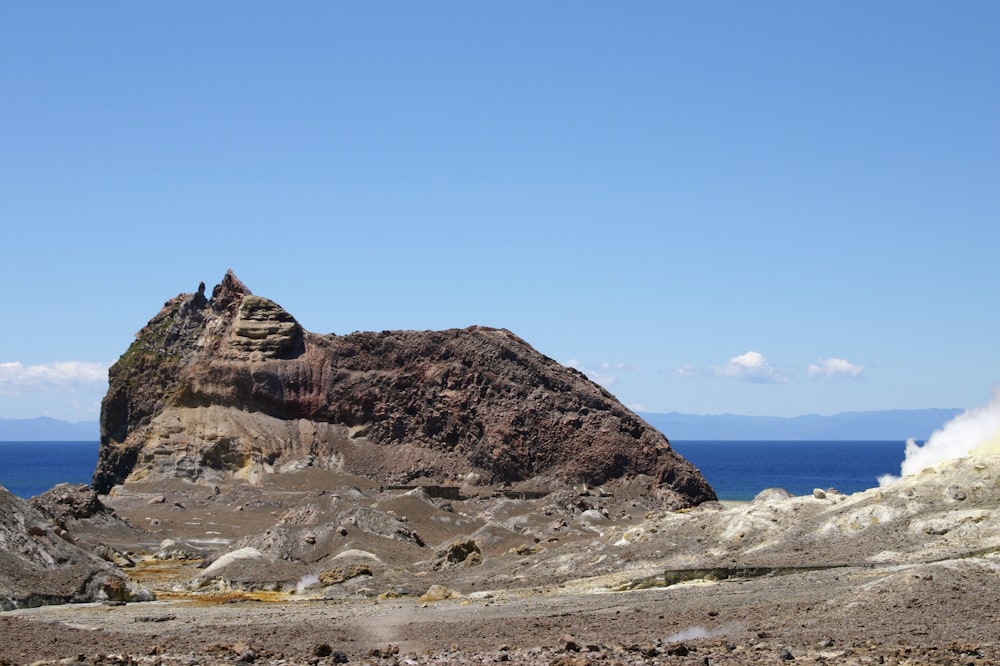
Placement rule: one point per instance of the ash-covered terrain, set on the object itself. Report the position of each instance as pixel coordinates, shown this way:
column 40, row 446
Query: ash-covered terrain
column 456, row 497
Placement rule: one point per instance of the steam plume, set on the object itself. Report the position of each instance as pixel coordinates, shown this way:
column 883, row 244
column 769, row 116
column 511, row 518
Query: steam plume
column 305, row 583
column 973, row 432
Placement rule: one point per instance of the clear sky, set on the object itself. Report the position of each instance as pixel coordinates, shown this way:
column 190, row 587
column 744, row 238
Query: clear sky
column 767, row 208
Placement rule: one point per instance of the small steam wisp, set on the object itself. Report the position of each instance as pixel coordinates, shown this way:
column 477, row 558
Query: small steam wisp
column 696, row 632
column 305, row 583
column 973, row 432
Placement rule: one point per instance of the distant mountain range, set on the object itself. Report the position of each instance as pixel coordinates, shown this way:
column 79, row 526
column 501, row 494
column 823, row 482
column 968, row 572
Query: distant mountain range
column 893, row 424
column 44, row 429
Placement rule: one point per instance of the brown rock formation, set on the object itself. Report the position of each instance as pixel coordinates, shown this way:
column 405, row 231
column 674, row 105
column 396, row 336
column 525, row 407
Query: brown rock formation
column 234, row 386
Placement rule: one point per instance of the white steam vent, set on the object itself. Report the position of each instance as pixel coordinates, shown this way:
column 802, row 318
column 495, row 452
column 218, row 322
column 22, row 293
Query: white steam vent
column 974, row 432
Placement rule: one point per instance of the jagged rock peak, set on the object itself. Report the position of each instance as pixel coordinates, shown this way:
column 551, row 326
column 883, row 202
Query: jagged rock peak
column 235, row 387
column 229, row 291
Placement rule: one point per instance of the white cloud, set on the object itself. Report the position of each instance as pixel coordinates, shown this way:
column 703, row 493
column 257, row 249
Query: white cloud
column 686, row 371
column 57, row 377
column 604, row 373
column 605, row 379
column 835, row 368
column 751, row 367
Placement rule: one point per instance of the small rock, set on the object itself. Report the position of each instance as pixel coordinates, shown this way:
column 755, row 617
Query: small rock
column 593, row 516
column 115, row 589
column 384, row 653
column 957, row 493
column 569, row 643
column 526, row 549
column 786, row 655
column 438, row 593
column 678, row 650
column 819, row 493
column 650, row 651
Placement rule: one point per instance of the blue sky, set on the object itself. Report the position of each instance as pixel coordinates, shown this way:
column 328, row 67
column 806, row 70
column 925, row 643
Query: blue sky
column 711, row 207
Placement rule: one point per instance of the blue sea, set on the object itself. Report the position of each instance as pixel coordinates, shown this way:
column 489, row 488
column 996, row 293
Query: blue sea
column 30, row 468
column 737, row 470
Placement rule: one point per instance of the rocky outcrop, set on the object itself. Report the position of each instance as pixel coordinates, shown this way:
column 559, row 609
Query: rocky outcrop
column 949, row 512
column 232, row 386
column 76, row 513
column 39, row 565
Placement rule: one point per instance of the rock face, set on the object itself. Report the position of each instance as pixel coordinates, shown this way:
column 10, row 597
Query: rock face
column 39, row 565
column 232, row 386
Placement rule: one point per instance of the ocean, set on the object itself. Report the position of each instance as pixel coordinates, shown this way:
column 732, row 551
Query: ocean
column 30, row 468
column 737, row 470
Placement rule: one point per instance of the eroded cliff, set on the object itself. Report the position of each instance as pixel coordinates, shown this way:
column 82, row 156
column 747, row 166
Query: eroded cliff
column 232, row 386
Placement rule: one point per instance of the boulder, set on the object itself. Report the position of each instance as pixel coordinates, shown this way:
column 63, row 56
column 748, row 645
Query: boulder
column 463, row 551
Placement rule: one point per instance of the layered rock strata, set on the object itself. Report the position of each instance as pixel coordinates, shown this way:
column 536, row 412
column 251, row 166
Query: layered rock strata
column 232, row 386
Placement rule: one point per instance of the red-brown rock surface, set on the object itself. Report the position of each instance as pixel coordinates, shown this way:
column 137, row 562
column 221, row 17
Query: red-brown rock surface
column 233, row 386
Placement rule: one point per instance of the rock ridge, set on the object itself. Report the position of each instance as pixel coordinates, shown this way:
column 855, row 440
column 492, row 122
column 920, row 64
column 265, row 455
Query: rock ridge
column 233, row 386
column 40, row 564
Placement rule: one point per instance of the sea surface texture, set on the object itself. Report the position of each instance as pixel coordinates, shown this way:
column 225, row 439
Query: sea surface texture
column 30, row 468
column 737, row 470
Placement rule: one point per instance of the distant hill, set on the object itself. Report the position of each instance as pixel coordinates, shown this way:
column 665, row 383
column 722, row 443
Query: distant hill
column 44, row 429
column 893, row 424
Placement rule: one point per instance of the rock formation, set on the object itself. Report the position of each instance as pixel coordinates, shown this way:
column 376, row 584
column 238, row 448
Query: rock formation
column 40, row 565
column 232, row 386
